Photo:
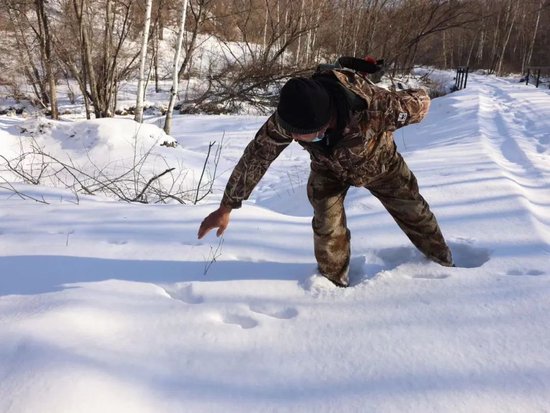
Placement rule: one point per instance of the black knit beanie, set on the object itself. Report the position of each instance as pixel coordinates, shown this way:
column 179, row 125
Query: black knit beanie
column 304, row 106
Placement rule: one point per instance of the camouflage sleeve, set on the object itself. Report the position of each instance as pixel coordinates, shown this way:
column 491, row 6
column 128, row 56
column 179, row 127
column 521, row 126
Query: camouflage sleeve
column 401, row 108
column 266, row 146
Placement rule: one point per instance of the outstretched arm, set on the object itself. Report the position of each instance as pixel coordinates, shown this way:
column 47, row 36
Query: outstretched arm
column 266, row 146
column 268, row 143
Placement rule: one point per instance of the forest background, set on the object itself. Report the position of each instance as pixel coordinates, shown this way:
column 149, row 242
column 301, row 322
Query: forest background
column 99, row 44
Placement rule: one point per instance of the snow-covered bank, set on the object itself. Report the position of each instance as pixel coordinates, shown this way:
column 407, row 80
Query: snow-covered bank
column 105, row 306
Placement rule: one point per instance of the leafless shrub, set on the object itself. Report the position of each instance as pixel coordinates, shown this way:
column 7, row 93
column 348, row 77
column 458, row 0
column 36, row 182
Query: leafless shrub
column 134, row 183
column 11, row 188
column 213, row 255
column 207, row 188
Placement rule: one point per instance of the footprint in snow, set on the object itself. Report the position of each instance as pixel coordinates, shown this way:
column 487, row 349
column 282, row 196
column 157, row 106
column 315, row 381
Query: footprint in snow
column 466, row 255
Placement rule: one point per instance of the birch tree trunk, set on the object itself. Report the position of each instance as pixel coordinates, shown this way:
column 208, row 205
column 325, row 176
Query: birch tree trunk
column 156, row 60
column 107, row 79
column 285, row 36
column 309, row 38
column 356, row 32
column 341, row 31
column 471, row 51
column 312, row 51
column 479, row 55
column 444, row 43
column 265, row 26
column 174, row 89
column 510, row 21
column 494, row 53
column 138, row 117
column 300, row 25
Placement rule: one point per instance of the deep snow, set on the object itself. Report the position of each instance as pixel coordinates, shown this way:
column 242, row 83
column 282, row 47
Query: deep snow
column 104, row 306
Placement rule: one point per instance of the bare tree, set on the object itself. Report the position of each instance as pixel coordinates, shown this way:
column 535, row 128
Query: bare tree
column 199, row 11
column 511, row 14
column 46, row 54
column 94, row 42
column 33, row 33
column 529, row 56
column 102, row 56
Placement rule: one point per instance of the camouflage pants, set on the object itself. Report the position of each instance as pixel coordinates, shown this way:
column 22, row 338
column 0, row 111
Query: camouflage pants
column 397, row 189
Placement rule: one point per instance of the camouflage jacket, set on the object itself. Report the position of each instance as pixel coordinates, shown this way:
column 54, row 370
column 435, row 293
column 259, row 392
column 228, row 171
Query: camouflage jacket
column 358, row 156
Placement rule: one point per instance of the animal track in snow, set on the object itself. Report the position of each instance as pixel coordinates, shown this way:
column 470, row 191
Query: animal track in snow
column 192, row 243
column 117, row 242
column 433, row 276
column 185, row 294
column 247, row 322
column 240, row 320
column 543, row 143
column 282, row 314
column 518, row 271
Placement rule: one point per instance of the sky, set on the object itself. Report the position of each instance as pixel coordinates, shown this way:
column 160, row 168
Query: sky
column 113, row 306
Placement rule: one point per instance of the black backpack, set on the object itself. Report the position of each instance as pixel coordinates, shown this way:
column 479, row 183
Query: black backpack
column 373, row 71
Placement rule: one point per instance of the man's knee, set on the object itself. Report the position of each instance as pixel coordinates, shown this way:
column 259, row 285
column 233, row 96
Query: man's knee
column 330, row 222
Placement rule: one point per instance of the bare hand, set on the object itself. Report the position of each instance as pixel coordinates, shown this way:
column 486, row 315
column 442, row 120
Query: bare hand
column 217, row 219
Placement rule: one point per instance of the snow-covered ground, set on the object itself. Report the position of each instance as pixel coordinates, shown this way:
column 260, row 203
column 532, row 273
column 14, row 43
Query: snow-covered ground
column 113, row 307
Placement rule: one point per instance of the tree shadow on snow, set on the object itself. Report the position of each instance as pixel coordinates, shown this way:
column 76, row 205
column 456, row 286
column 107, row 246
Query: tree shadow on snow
column 35, row 274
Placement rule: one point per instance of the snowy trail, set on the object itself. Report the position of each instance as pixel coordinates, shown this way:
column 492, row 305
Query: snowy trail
column 519, row 145
column 106, row 306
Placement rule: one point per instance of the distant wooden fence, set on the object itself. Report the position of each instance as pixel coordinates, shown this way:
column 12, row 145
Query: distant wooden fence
column 536, row 71
column 461, row 77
